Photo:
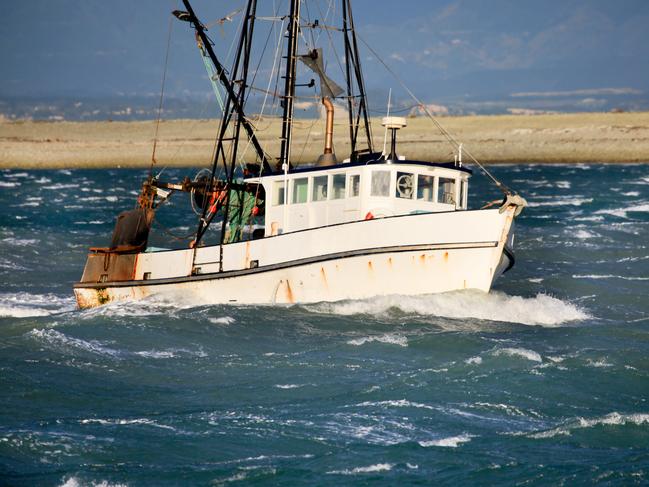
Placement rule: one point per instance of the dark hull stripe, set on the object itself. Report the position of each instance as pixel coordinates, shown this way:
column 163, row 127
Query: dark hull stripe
column 284, row 265
column 510, row 255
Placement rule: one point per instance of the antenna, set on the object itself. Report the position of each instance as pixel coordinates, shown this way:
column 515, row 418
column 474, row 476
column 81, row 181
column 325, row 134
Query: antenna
column 385, row 133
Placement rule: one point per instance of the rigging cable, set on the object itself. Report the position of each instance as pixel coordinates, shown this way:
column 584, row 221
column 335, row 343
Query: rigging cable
column 507, row 191
column 267, row 91
column 162, row 91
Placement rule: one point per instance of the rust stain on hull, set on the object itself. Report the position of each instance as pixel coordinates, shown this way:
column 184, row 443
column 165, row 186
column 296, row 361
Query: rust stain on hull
column 289, row 293
column 323, row 276
column 92, row 298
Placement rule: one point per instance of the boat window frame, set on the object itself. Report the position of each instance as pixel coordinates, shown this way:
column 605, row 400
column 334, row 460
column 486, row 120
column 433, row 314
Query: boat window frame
column 332, row 177
column 350, row 186
column 278, row 193
column 433, row 195
column 397, row 193
column 292, row 193
column 441, row 180
column 464, row 193
column 376, row 172
column 326, row 188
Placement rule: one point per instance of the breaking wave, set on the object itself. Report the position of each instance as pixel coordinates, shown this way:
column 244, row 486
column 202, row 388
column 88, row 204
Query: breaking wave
column 21, row 305
column 450, row 442
column 60, row 340
column 75, row 482
column 379, row 467
column 612, row 419
column 541, row 310
column 623, row 212
column 391, row 339
column 519, row 352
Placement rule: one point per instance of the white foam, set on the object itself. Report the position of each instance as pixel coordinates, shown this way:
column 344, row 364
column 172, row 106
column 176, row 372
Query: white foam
column 127, row 422
column 289, row 386
column 589, row 218
column 519, row 352
column 541, row 310
column 8, row 184
column 612, row 419
column 450, row 442
column 158, row 354
column 623, row 212
column 75, row 482
column 598, row 363
column 379, row 467
column 21, row 305
column 507, row 408
column 56, row 338
column 153, row 305
column 473, row 361
column 608, row 276
column 57, row 186
column 399, row 403
column 224, row 320
column 392, row 339
column 21, row 242
column 562, row 202
column 584, row 234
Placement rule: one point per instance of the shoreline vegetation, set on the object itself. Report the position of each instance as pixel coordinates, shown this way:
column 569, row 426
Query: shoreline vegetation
column 548, row 138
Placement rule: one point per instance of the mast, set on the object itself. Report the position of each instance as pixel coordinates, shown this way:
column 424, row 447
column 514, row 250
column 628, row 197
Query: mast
column 357, row 104
column 289, row 83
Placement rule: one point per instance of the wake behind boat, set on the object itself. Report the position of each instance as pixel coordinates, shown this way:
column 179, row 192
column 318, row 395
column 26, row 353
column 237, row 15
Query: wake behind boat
column 375, row 223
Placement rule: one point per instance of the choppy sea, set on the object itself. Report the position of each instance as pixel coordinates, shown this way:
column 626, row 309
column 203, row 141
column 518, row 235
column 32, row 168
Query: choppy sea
column 544, row 381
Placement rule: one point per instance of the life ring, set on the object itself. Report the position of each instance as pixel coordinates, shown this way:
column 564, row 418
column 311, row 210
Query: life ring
column 378, row 213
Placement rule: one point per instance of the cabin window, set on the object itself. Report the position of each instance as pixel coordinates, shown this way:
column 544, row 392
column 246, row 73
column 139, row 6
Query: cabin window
column 300, row 190
column 338, row 186
column 354, row 185
column 446, row 191
column 319, row 188
column 278, row 193
column 380, row 183
column 463, row 194
column 405, row 187
column 425, row 188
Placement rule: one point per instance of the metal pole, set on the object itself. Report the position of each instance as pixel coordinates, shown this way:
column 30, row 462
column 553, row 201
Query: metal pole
column 289, row 83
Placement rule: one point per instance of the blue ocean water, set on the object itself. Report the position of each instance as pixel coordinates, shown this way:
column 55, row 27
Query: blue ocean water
column 545, row 381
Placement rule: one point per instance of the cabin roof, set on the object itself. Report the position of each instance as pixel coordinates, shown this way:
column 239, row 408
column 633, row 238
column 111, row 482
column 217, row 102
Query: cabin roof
column 346, row 165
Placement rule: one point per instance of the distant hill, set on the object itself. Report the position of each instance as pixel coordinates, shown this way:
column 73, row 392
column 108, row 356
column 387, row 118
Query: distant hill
column 468, row 56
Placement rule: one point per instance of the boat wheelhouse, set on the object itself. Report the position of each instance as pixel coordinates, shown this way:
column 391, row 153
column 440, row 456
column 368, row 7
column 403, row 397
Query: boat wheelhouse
column 316, row 197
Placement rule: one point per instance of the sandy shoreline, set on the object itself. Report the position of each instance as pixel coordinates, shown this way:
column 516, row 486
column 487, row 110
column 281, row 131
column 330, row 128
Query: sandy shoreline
column 561, row 138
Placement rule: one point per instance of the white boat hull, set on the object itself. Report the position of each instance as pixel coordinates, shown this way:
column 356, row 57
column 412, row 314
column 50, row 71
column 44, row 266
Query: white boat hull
column 407, row 255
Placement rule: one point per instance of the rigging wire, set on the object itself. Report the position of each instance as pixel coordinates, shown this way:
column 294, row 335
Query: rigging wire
column 162, row 90
column 270, row 80
column 331, row 41
column 444, row 132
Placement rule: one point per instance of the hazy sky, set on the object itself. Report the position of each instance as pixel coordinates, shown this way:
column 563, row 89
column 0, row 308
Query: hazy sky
column 446, row 47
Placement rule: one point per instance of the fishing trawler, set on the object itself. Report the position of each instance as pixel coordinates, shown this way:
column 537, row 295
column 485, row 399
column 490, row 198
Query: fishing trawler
column 372, row 223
